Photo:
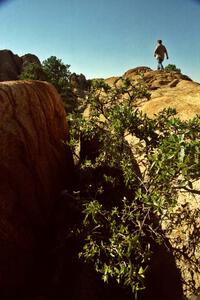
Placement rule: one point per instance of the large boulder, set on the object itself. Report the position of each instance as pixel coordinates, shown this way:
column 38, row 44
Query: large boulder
column 184, row 97
column 34, row 167
column 29, row 59
column 79, row 84
column 11, row 65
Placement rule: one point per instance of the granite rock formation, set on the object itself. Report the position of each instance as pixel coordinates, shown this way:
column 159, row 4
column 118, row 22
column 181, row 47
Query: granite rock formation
column 79, row 84
column 34, row 166
column 11, row 65
column 168, row 89
column 29, row 59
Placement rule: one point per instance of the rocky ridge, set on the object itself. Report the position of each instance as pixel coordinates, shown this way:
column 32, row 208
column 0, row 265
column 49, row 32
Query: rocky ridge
column 168, row 89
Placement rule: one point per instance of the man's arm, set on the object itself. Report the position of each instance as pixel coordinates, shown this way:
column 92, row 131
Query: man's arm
column 167, row 56
column 155, row 51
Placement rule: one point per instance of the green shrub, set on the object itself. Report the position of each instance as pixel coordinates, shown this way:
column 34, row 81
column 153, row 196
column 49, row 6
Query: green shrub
column 33, row 72
column 171, row 67
column 57, row 73
column 118, row 238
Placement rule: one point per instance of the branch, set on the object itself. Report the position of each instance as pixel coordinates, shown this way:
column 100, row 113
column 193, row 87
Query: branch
column 193, row 191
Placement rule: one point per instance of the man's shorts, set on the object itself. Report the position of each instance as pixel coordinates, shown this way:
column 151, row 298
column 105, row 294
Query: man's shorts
column 160, row 60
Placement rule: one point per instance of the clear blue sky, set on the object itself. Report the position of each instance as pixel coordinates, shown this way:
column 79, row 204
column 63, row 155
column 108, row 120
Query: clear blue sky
column 103, row 38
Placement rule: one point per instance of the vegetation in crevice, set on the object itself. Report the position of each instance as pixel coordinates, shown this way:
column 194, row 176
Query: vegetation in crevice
column 152, row 160
column 131, row 171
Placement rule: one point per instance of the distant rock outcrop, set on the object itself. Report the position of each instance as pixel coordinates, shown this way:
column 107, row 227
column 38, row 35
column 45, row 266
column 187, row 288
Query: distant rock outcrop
column 11, row 65
column 29, row 59
column 34, row 165
column 79, row 84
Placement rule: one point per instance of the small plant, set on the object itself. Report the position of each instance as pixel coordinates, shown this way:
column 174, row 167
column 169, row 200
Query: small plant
column 172, row 67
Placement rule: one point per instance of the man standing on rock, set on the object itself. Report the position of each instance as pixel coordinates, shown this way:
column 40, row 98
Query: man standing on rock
column 160, row 53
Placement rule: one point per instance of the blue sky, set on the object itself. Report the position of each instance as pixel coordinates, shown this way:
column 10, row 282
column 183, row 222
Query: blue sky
column 103, row 38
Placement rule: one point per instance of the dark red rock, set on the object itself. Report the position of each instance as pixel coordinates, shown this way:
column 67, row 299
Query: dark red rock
column 11, row 65
column 34, row 165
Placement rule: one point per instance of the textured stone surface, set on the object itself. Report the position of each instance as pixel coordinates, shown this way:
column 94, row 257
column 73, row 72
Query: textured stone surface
column 168, row 89
column 34, row 165
column 79, row 84
column 29, row 59
column 184, row 97
column 11, row 64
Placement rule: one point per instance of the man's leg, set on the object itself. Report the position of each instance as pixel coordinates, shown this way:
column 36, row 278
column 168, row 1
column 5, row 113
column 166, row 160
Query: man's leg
column 161, row 65
column 158, row 67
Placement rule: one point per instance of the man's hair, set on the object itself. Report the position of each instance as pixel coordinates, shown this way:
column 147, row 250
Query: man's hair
column 159, row 41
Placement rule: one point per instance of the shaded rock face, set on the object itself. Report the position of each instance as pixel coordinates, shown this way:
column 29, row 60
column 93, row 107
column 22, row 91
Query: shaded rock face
column 163, row 279
column 79, row 84
column 29, row 59
column 11, row 65
column 34, row 166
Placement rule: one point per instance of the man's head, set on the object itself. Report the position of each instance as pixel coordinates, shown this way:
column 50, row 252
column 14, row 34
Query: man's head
column 159, row 42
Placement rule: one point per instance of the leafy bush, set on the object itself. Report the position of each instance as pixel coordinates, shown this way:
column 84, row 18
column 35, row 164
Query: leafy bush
column 172, row 67
column 56, row 72
column 33, row 72
column 156, row 158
